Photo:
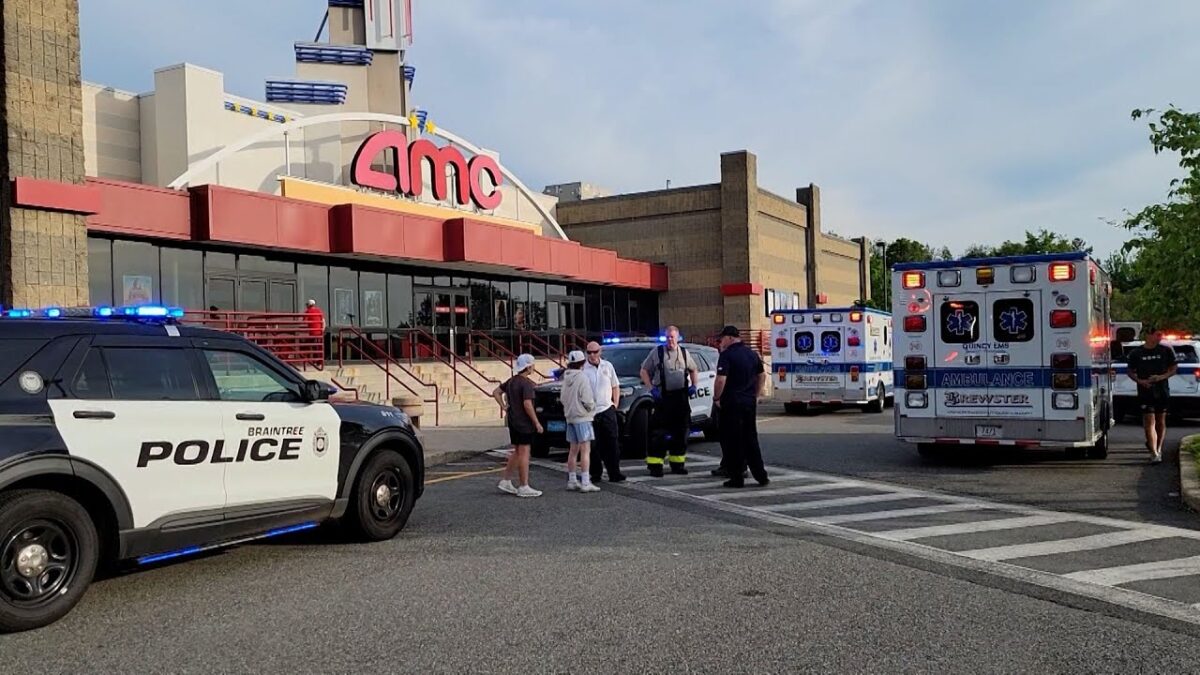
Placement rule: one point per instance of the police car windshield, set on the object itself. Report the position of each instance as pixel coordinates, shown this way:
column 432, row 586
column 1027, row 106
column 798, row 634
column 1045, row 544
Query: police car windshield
column 627, row 361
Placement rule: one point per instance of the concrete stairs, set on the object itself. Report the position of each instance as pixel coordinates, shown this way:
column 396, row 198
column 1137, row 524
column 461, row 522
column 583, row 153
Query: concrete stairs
column 469, row 406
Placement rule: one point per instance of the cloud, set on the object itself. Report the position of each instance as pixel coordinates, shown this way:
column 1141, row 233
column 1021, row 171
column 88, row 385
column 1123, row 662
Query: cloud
column 954, row 123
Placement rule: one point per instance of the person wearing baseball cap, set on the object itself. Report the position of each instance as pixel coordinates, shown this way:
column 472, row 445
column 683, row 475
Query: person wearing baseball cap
column 579, row 405
column 740, row 379
column 515, row 396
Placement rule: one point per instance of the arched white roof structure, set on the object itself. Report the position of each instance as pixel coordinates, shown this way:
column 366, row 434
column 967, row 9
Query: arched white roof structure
column 224, row 153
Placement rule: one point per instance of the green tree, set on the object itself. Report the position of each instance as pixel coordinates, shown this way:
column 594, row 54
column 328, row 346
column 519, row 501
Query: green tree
column 1165, row 246
column 888, row 253
column 1036, row 243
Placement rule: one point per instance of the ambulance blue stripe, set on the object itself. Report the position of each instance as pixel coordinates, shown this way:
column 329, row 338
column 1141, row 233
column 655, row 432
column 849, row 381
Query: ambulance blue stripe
column 872, row 367
column 995, row 378
column 1002, row 260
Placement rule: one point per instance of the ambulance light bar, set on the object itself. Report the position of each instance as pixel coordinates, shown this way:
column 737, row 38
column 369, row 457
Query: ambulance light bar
column 914, row 280
column 855, row 317
column 985, row 276
column 777, row 318
column 1062, row 272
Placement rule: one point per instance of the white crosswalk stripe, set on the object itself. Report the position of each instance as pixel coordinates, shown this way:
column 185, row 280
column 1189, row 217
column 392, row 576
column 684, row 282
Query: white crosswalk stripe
column 928, row 531
column 1089, row 543
column 804, row 506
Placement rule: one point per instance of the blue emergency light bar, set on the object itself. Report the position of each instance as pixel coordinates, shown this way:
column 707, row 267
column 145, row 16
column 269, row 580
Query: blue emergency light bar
column 629, row 340
column 133, row 312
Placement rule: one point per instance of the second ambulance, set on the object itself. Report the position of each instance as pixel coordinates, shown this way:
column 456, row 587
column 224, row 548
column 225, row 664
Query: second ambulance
column 1004, row 351
column 832, row 357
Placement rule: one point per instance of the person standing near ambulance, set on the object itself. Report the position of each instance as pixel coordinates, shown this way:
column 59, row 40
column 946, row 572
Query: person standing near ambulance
column 672, row 377
column 1152, row 366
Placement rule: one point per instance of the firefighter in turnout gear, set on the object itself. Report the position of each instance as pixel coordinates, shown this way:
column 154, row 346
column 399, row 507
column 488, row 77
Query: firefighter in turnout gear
column 672, row 377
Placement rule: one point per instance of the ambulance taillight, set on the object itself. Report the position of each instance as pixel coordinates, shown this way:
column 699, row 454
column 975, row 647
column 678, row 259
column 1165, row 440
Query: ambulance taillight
column 1063, row 361
column 914, row 324
column 916, row 363
column 853, row 341
column 1062, row 318
column 914, row 280
column 1062, row 272
column 781, row 342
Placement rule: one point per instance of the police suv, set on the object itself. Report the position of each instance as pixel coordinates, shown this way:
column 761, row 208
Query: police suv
column 1004, row 351
column 1185, row 384
column 636, row 406
column 832, row 357
column 128, row 437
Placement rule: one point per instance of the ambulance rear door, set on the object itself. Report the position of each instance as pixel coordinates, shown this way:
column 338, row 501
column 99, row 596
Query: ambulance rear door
column 1017, row 379
column 960, row 355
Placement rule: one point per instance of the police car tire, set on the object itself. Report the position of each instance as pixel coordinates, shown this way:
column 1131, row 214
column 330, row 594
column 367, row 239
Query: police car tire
column 20, row 507
column 385, row 466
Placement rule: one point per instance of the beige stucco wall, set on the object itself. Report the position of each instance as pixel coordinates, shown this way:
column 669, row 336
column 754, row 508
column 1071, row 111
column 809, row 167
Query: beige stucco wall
column 839, row 271
column 112, row 143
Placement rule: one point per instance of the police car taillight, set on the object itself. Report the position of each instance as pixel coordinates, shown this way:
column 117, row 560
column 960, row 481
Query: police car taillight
column 914, row 280
column 1063, row 361
column 914, row 324
column 1062, row 318
column 1062, row 272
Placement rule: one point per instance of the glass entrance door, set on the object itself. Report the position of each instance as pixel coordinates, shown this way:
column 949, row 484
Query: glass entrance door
column 446, row 313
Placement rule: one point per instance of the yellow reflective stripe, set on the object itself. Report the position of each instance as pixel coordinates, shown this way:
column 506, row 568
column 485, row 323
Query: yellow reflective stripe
column 654, row 460
column 677, row 459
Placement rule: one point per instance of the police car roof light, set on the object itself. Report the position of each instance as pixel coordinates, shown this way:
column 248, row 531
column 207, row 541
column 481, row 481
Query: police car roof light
column 102, row 312
column 18, row 313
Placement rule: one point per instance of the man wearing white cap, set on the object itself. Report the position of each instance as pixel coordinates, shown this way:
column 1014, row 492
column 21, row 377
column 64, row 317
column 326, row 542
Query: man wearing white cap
column 516, row 396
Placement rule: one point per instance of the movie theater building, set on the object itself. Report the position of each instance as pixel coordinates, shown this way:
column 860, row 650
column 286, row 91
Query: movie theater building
column 336, row 188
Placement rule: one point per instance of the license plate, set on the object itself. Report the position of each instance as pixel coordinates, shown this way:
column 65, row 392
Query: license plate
column 556, row 426
column 817, row 395
column 987, row 431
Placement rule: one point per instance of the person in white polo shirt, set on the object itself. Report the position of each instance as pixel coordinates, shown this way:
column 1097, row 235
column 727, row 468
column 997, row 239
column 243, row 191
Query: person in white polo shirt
column 607, row 390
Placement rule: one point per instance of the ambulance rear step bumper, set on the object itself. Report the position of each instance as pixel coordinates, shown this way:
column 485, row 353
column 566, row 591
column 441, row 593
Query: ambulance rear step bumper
column 1014, row 432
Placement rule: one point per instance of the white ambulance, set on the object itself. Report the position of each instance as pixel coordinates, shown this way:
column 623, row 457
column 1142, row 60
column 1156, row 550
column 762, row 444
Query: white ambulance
column 1004, row 351
column 831, row 358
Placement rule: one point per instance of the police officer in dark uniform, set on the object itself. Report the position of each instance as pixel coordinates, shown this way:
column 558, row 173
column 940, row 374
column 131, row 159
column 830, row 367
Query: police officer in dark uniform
column 740, row 379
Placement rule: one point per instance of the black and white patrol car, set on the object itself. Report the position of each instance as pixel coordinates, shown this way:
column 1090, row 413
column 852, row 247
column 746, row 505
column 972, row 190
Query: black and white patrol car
column 129, row 438
column 636, row 407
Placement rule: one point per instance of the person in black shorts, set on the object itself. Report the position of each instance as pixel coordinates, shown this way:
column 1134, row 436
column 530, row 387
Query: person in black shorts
column 515, row 397
column 1152, row 366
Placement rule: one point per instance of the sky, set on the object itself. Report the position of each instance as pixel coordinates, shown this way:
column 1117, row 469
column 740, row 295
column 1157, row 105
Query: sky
column 948, row 121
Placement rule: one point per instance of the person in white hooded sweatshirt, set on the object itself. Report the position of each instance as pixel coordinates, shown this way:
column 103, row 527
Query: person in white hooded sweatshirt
column 579, row 405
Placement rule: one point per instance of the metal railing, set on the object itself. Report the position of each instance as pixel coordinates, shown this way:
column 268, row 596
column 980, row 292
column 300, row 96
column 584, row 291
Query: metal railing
column 486, row 345
column 446, row 356
column 290, row 336
column 758, row 340
column 362, row 345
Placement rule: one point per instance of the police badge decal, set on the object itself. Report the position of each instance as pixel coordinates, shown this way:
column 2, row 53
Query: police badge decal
column 320, row 442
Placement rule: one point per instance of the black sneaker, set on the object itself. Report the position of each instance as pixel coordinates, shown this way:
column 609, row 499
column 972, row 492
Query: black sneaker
column 763, row 482
column 718, row 472
column 619, row 478
column 679, row 470
column 732, row 483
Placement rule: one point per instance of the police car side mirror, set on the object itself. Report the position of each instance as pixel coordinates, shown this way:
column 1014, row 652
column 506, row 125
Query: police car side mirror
column 316, row 391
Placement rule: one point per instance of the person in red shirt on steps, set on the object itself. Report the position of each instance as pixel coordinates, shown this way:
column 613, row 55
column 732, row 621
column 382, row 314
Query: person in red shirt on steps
column 315, row 319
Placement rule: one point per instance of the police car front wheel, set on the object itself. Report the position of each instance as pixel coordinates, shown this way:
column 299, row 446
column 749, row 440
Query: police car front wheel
column 48, row 553
column 383, row 496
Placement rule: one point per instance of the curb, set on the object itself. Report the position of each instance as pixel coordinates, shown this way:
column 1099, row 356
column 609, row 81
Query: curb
column 1189, row 483
column 452, row 456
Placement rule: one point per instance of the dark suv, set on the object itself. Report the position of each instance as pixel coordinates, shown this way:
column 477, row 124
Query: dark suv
column 128, row 437
column 637, row 405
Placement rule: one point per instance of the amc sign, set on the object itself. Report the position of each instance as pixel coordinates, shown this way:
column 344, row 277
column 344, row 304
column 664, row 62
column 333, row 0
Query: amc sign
column 405, row 177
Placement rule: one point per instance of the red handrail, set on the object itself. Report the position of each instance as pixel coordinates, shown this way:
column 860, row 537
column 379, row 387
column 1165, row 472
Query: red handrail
column 498, row 351
column 287, row 335
column 343, row 387
column 578, row 340
column 547, row 348
column 386, row 368
column 451, row 362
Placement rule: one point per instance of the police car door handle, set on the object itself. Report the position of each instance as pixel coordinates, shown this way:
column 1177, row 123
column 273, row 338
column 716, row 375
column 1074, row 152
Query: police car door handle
column 95, row 415
column 251, row 417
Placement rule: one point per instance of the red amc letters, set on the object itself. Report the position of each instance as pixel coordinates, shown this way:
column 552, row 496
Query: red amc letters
column 406, row 175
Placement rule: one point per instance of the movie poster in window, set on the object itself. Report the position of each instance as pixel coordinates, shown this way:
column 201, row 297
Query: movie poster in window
column 343, row 306
column 373, row 308
column 519, row 319
column 138, row 290
column 501, row 314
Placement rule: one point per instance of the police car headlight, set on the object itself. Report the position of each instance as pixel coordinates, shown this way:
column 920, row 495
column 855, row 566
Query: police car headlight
column 1065, row 401
column 916, row 399
column 626, row 391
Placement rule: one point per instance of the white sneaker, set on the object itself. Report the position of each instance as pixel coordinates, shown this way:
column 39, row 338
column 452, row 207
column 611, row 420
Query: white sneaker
column 573, row 485
column 1157, row 459
column 507, row 486
column 589, row 487
column 526, row 491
